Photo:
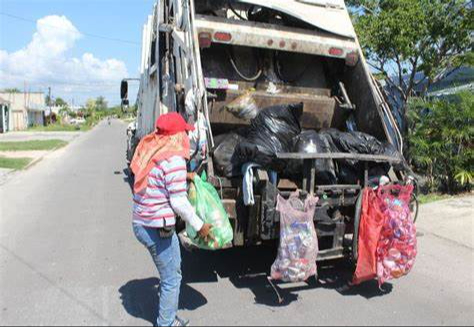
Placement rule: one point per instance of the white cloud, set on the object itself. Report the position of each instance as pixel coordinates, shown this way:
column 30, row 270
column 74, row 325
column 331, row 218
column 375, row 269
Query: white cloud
column 45, row 62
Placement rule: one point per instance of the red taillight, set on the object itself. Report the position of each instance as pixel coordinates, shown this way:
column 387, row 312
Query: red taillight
column 205, row 40
column 223, row 37
column 336, row 52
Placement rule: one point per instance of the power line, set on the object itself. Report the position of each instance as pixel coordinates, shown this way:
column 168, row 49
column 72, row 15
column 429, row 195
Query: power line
column 69, row 30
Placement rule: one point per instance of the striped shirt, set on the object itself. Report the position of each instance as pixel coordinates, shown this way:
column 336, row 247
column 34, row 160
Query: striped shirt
column 165, row 197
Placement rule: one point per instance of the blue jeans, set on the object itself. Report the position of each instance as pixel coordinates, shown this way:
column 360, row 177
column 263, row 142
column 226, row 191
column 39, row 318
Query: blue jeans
column 166, row 255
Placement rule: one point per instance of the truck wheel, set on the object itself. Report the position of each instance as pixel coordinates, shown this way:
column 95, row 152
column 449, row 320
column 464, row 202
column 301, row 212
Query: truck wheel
column 132, row 144
column 357, row 217
column 414, row 207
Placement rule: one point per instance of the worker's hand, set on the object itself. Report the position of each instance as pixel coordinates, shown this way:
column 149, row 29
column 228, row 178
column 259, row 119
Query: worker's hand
column 190, row 177
column 206, row 233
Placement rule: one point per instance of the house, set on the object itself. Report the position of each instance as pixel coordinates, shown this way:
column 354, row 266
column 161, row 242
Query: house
column 26, row 109
column 4, row 116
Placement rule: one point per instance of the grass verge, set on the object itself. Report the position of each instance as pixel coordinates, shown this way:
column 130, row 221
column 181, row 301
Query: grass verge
column 60, row 128
column 430, row 198
column 39, row 145
column 14, row 163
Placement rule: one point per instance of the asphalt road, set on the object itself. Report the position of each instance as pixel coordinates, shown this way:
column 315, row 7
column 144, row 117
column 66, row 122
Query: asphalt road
column 68, row 257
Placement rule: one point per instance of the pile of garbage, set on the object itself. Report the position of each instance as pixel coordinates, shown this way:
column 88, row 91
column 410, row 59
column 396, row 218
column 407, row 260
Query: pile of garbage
column 278, row 130
column 271, row 132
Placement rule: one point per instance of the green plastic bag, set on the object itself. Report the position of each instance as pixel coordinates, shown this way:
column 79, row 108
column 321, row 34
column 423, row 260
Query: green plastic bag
column 205, row 199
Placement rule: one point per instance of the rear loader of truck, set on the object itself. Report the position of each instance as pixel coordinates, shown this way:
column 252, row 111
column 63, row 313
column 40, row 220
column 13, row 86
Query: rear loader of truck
column 200, row 56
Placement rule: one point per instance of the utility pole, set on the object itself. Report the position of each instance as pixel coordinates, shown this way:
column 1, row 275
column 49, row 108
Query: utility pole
column 49, row 97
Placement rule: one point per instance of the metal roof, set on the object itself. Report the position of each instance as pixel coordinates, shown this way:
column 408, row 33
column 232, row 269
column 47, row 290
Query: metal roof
column 329, row 15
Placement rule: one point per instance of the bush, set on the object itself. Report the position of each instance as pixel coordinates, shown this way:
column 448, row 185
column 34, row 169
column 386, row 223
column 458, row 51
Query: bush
column 441, row 141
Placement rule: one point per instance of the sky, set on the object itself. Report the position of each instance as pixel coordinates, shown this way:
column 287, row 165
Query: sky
column 81, row 49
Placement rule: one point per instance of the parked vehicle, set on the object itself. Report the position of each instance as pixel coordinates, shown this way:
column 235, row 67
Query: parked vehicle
column 200, row 55
column 77, row 121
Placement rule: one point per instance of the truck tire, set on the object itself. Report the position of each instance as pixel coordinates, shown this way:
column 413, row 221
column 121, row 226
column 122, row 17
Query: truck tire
column 132, row 144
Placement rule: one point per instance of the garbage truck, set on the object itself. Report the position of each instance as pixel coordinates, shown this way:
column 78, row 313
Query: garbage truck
column 200, row 56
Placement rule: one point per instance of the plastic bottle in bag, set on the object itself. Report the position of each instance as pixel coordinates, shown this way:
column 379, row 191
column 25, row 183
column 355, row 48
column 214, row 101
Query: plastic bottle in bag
column 298, row 251
column 397, row 246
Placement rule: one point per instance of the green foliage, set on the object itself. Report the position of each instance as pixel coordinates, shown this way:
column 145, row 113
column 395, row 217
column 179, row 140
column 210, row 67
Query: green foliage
column 465, row 177
column 101, row 103
column 58, row 127
column 38, row 145
column 403, row 37
column 60, row 102
column 433, row 197
column 11, row 90
column 441, row 141
column 93, row 113
column 14, row 163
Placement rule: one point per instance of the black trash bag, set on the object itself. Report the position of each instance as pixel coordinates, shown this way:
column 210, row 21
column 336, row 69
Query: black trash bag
column 312, row 142
column 224, row 158
column 391, row 151
column 351, row 171
column 354, row 142
column 271, row 132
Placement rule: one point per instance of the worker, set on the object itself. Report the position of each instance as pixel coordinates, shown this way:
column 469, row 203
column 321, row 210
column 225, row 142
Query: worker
column 160, row 196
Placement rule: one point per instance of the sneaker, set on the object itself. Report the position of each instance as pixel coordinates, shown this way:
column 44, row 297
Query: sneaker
column 178, row 322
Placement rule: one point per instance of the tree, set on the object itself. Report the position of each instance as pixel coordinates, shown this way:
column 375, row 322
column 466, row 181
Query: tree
column 60, row 102
column 91, row 105
column 441, row 136
column 12, row 90
column 402, row 38
column 101, row 103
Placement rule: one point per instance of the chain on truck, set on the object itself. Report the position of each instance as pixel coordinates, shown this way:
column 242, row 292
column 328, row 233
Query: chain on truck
column 200, row 55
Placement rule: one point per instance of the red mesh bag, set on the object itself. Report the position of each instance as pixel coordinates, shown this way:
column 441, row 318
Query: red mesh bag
column 397, row 247
column 371, row 224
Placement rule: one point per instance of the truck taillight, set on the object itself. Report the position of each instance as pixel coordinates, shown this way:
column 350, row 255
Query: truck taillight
column 205, row 40
column 336, row 52
column 223, row 37
column 352, row 58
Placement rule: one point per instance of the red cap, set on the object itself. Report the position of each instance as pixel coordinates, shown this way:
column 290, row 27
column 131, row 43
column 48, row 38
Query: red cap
column 171, row 124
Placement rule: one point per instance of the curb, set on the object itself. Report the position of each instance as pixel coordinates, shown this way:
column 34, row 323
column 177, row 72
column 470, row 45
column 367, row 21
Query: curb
column 8, row 175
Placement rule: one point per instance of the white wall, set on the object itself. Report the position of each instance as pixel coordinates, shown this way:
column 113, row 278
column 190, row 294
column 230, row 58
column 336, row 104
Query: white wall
column 20, row 116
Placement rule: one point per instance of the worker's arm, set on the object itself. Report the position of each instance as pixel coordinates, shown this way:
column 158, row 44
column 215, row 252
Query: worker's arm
column 185, row 210
column 176, row 186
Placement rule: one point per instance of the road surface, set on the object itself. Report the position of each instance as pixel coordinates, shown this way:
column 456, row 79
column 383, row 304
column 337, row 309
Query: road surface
column 68, row 257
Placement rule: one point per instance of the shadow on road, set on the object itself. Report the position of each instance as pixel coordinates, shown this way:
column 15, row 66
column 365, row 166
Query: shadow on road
column 129, row 178
column 248, row 268
column 140, row 298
